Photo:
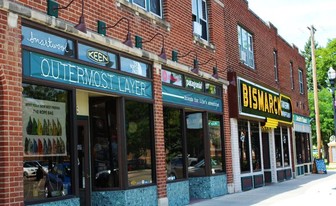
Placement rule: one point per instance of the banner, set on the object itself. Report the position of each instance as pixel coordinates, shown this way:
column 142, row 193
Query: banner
column 44, row 129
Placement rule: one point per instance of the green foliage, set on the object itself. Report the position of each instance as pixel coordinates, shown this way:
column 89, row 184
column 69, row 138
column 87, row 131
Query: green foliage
column 325, row 58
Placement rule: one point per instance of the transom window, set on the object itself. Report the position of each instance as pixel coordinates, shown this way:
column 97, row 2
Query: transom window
column 245, row 41
column 200, row 19
column 152, row 6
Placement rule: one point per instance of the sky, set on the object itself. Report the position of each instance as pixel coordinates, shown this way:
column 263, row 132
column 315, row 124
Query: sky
column 292, row 17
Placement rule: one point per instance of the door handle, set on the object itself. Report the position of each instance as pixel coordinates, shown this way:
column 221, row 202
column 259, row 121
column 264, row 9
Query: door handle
column 87, row 176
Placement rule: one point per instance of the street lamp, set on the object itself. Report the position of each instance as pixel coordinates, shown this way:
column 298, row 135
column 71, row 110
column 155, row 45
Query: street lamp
column 331, row 77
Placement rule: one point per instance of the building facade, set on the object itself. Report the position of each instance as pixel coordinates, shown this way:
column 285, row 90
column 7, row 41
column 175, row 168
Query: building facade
column 105, row 101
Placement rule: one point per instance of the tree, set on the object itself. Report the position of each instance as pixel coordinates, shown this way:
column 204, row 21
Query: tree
column 325, row 58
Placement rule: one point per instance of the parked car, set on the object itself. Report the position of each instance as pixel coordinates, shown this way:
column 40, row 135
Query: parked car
column 30, row 168
column 198, row 170
column 58, row 180
column 175, row 167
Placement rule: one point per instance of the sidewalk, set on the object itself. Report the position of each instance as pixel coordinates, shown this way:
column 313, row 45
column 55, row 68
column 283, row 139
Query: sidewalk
column 313, row 189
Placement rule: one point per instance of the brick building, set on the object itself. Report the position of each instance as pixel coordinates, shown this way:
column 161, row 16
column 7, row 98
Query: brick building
column 146, row 102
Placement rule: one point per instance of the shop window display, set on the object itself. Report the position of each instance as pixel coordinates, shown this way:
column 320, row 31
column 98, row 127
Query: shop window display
column 46, row 141
column 139, row 143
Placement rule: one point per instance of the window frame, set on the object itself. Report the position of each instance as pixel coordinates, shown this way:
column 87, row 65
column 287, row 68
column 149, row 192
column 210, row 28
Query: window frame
column 201, row 17
column 245, row 44
column 147, row 7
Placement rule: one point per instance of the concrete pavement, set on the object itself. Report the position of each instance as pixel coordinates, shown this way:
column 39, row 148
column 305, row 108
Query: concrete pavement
column 313, row 189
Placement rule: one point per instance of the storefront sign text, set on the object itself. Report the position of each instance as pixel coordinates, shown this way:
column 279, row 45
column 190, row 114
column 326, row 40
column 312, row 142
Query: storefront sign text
column 190, row 99
column 259, row 101
column 53, row 69
column 47, row 42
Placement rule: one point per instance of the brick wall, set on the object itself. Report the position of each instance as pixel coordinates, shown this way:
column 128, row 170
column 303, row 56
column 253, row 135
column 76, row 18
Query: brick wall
column 11, row 150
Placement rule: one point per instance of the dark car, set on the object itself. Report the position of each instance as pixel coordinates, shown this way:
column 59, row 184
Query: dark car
column 58, row 180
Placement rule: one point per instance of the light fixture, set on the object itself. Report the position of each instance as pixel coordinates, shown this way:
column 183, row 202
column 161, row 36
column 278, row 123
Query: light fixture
column 101, row 29
column 139, row 42
column 195, row 68
column 214, row 70
column 331, row 77
column 52, row 10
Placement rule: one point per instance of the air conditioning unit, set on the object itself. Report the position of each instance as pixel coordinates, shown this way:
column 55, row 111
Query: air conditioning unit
column 197, row 28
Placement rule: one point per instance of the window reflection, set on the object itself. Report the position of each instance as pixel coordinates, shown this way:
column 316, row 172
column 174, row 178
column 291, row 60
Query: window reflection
column 105, row 142
column 173, row 143
column 195, row 144
column 285, row 146
column 255, row 144
column 46, row 166
column 139, row 143
column 244, row 146
column 214, row 122
column 278, row 150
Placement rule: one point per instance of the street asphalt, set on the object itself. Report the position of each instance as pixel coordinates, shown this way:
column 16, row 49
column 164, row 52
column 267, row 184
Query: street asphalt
column 312, row 189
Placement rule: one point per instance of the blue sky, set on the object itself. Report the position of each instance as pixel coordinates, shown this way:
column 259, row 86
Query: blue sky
column 292, row 17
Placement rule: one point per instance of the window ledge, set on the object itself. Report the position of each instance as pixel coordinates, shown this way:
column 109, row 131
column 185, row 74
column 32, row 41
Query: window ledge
column 203, row 43
column 138, row 11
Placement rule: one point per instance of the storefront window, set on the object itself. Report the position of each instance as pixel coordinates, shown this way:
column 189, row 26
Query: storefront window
column 298, row 143
column 139, row 143
column 302, row 147
column 214, row 122
column 285, row 146
column 46, row 140
column 255, row 145
column 134, row 67
column 244, row 150
column 173, row 143
column 195, row 144
column 171, row 77
column 105, row 142
column 278, row 150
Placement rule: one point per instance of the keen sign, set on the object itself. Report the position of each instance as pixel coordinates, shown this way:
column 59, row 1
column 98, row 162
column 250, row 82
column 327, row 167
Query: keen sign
column 260, row 102
column 98, row 57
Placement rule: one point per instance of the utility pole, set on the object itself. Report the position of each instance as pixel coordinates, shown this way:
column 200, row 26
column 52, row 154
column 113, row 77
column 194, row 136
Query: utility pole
column 317, row 110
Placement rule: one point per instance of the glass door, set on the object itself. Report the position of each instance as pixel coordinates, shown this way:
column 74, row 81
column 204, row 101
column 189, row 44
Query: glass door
column 83, row 161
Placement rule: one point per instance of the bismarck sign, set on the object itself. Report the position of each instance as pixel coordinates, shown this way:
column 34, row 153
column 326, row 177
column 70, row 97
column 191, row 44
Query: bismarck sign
column 260, row 102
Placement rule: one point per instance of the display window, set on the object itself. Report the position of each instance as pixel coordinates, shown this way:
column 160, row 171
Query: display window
column 249, row 146
column 139, row 143
column 302, row 148
column 198, row 151
column 278, row 147
column 255, row 146
column 244, row 146
column 216, row 147
column 46, row 139
column 174, row 143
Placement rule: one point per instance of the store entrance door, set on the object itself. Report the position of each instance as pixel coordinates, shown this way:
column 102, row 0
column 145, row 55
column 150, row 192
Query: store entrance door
column 83, row 161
